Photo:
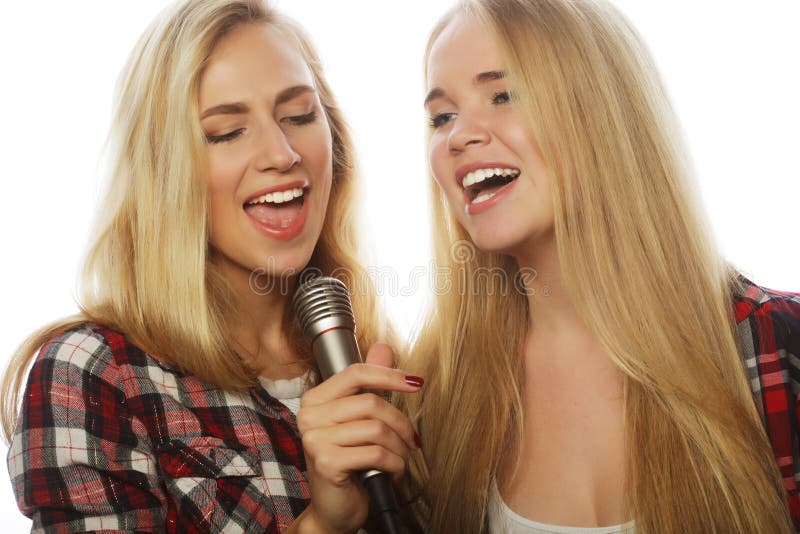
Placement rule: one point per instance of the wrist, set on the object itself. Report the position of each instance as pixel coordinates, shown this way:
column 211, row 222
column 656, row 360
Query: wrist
column 310, row 523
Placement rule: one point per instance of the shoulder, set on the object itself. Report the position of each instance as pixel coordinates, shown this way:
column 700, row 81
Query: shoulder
column 768, row 331
column 750, row 298
column 90, row 352
column 771, row 317
column 85, row 345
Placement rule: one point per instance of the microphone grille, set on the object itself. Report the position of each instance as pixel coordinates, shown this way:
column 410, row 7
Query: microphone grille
column 323, row 303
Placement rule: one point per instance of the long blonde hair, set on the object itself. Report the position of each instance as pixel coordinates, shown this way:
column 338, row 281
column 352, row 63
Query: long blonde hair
column 641, row 268
column 149, row 272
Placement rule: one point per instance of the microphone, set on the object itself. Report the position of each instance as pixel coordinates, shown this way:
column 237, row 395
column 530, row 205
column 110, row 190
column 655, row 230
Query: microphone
column 326, row 316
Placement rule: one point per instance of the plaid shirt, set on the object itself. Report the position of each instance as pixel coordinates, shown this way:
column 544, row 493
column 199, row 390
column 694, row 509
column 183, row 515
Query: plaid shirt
column 768, row 324
column 109, row 439
column 116, row 441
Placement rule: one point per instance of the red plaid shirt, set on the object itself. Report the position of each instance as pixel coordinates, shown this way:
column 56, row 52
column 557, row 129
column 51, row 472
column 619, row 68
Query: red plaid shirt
column 768, row 323
column 109, row 439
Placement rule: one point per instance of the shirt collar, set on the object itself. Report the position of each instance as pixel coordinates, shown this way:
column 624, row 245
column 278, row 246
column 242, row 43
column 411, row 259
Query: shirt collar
column 747, row 297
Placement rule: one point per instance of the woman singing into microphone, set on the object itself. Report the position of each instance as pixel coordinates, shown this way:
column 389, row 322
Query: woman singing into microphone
column 628, row 378
column 169, row 402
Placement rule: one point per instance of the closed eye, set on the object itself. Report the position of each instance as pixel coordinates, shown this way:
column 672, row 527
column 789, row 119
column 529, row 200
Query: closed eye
column 301, row 120
column 214, row 139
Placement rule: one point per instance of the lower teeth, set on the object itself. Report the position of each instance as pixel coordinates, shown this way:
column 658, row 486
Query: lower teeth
column 483, row 198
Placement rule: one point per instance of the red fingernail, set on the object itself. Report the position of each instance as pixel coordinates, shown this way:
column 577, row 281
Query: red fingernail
column 416, row 381
column 417, row 440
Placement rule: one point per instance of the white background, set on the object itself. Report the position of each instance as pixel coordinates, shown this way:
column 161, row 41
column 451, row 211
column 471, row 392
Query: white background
column 731, row 67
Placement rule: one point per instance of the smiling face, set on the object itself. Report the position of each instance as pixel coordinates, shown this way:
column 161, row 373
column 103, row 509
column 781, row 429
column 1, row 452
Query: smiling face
column 269, row 151
column 482, row 151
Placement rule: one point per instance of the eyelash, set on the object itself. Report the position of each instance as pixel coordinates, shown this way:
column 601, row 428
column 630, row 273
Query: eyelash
column 230, row 136
column 498, row 99
column 502, row 94
column 296, row 120
column 302, row 120
column 440, row 120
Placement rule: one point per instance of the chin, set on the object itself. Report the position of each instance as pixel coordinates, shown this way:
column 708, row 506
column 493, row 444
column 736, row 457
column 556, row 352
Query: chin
column 510, row 234
column 497, row 239
column 284, row 263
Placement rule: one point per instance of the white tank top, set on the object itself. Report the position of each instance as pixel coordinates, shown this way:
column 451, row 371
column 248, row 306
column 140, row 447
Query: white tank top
column 503, row 520
column 288, row 392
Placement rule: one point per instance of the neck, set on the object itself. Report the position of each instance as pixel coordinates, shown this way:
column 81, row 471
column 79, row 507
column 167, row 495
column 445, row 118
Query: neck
column 551, row 308
column 258, row 332
column 557, row 335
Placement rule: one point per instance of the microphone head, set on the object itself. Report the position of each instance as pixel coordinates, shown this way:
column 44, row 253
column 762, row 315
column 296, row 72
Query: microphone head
column 322, row 304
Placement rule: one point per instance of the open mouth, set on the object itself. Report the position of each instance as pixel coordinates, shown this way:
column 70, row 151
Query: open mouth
column 482, row 184
column 279, row 209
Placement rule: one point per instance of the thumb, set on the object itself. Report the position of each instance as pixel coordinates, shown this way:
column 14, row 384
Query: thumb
column 380, row 354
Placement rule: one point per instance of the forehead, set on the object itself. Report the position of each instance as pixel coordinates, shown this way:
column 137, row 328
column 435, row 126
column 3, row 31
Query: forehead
column 464, row 48
column 253, row 55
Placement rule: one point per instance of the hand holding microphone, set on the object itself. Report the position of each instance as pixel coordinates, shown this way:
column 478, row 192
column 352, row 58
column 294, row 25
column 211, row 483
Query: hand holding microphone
column 349, row 435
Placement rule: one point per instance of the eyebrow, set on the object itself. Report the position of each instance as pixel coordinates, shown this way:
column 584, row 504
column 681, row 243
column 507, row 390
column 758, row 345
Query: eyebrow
column 225, row 109
column 479, row 78
column 238, row 108
column 490, row 76
column 292, row 93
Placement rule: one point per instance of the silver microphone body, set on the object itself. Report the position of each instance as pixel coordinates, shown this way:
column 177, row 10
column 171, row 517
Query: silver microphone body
column 326, row 316
column 335, row 350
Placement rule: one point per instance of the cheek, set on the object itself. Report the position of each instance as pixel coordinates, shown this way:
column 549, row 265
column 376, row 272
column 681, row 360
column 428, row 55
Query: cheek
column 316, row 150
column 220, row 210
column 517, row 135
column 320, row 158
column 225, row 171
column 226, row 166
column 438, row 161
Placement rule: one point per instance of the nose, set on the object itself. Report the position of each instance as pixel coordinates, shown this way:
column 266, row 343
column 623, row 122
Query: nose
column 467, row 132
column 275, row 153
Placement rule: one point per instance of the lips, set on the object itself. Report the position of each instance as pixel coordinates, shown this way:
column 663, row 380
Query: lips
column 280, row 212
column 485, row 183
column 263, row 194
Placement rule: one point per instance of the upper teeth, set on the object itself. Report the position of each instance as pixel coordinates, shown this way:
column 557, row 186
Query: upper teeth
column 481, row 174
column 278, row 197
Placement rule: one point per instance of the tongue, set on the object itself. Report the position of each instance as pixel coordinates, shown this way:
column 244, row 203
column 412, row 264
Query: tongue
column 275, row 215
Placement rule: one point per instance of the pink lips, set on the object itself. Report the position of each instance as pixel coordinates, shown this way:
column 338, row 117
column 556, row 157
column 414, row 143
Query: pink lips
column 475, row 209
column 294, row 229
column 464, row 170
column 301, row 184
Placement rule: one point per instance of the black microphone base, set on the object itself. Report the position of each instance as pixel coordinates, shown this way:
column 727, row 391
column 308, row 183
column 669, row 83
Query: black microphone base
column 382, row 502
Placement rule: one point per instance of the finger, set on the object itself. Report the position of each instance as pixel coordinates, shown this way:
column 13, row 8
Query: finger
column 380, row 354
column 357, row 407
column 338, row 464
column 358, row 377
column 356, row 434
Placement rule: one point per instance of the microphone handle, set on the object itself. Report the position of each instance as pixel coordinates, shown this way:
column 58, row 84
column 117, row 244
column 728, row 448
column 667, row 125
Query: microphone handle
column 334, row 350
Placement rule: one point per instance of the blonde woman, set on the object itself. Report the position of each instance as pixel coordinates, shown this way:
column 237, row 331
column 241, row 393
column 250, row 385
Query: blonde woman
column 169, row 403
column 598, row 367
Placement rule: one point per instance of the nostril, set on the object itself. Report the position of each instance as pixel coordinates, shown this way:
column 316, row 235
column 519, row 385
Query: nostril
column 467, row 135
